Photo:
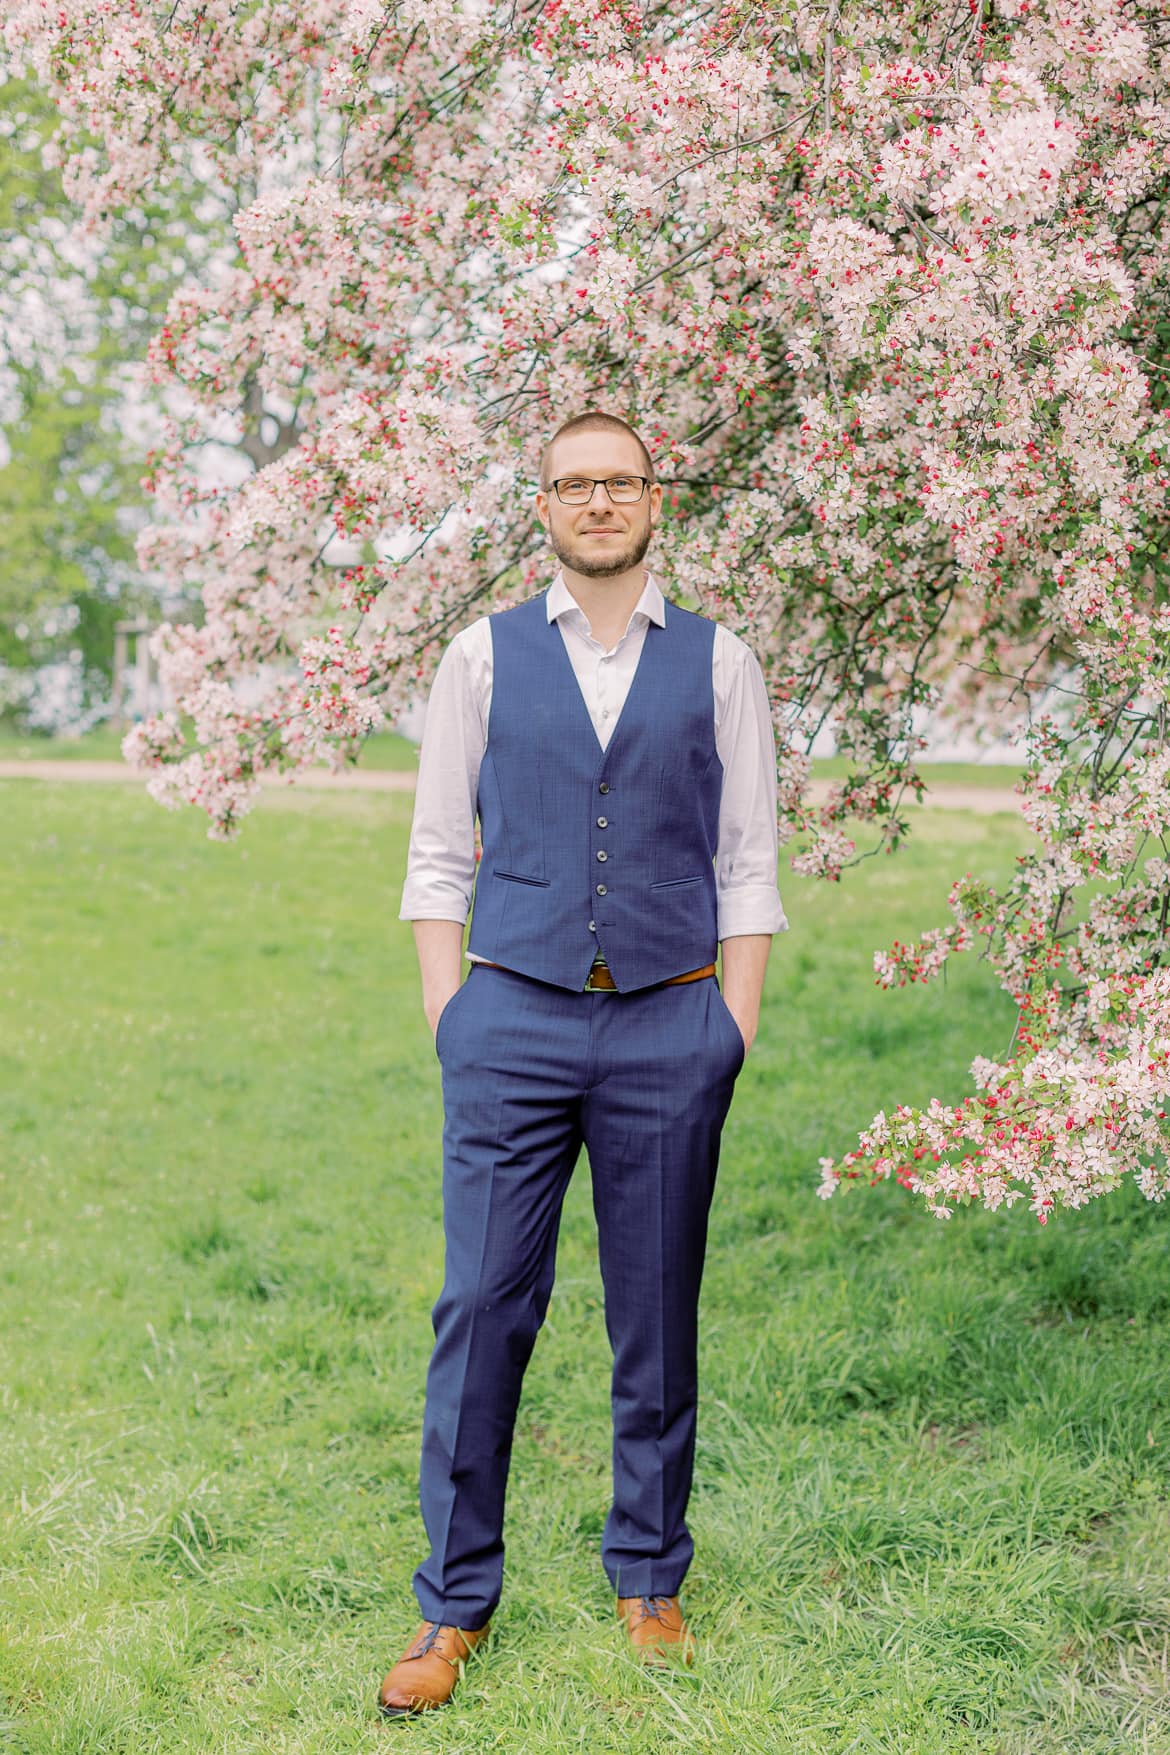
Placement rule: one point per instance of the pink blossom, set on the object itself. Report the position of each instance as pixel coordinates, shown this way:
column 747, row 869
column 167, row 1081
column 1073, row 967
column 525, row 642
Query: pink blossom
column 883, row 311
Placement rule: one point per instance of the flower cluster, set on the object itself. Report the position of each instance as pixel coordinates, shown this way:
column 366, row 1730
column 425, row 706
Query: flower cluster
column 1055, row 1127
column 889, row 299
column 337, row 673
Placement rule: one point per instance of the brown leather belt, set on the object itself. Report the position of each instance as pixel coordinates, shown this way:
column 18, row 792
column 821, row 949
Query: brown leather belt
column 601, row 979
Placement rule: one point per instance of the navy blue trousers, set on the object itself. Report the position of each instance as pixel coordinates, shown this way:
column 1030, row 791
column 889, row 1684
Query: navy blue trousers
column 530, row 1073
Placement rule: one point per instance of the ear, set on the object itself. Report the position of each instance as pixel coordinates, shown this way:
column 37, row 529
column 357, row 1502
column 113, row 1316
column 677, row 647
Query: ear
column 541, row 501
column 655, row 493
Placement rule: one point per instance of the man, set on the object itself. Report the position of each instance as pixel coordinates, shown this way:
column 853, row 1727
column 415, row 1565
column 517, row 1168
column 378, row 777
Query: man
column 619, row 752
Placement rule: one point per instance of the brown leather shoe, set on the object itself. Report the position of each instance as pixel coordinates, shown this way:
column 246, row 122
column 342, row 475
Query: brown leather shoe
column 656, row 1628
column 425, row 1675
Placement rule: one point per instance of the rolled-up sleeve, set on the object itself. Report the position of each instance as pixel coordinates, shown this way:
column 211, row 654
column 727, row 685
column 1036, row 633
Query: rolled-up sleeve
column 748, row 850
column 440, row 865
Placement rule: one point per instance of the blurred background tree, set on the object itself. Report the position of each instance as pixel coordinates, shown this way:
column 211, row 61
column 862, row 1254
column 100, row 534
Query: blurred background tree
column 77, row 414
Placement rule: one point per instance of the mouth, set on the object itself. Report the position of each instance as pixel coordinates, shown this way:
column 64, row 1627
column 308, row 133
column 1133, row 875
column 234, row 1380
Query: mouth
column 603, row 530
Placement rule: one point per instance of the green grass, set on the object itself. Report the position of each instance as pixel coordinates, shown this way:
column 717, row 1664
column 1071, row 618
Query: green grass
column 995, row 774
column 100, row 745
column 388, row 750
column 931, row 1498
column 382, row 750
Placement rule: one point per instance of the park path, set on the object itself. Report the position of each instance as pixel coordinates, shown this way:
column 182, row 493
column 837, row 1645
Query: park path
column 983, row 800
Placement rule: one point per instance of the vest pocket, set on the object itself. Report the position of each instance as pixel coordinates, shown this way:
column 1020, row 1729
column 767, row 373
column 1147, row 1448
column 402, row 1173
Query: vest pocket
column 515, row 877
column 676, row 883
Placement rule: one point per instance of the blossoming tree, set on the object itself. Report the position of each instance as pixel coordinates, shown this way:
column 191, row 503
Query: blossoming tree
column 887, row 291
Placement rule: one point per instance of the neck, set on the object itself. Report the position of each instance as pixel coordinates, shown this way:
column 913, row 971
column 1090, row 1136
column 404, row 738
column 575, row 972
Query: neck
column 607, row 603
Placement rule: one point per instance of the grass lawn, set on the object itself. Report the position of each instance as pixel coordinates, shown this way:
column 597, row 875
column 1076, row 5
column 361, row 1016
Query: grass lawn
column 387, row 749
column 931, row 1499
column 103, row 744
column 1002, row 775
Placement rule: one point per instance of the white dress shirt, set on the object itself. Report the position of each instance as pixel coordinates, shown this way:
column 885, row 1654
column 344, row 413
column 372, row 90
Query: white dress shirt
column 440, row 870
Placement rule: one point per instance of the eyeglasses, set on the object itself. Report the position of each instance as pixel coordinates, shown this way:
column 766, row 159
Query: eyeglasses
column 577, row 490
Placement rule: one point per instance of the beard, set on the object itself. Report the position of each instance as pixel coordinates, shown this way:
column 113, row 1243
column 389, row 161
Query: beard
column 581, row 561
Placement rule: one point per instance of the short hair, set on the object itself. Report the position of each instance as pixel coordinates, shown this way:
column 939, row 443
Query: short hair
column 595, row 419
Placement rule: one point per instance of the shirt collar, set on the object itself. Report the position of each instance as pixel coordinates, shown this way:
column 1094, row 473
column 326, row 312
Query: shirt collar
column 651, row 604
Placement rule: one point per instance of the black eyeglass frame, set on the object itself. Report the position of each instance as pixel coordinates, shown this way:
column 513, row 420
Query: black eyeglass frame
column 596, row 481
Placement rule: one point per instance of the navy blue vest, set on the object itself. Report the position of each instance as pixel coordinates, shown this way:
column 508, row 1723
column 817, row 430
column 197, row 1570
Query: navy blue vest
column 585, row 848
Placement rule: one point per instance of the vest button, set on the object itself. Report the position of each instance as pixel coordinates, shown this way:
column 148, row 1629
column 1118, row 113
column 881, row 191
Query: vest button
column 601, row 889
column 603, row 854
column 604, row 786
column 593, row 926
column 603, row 822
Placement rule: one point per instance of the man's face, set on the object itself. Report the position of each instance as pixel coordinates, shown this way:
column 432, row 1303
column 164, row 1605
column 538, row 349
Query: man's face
column 600, row 538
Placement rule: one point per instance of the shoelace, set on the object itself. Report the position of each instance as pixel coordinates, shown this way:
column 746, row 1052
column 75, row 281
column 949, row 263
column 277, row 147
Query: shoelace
column 651, row 1612
column 425, row 1643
